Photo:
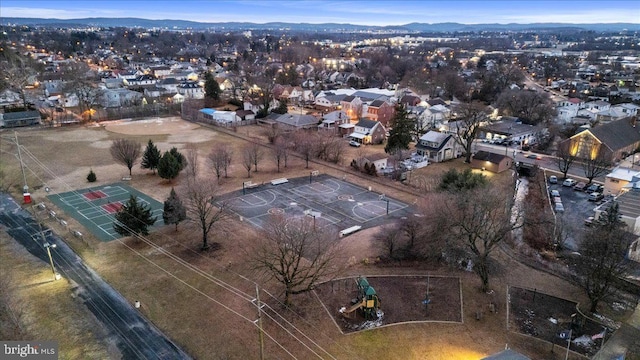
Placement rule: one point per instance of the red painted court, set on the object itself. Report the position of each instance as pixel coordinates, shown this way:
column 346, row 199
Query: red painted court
column 93, row 195
column 112, row 207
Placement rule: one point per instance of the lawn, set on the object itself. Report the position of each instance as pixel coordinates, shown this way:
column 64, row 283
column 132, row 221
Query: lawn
column 202, row 300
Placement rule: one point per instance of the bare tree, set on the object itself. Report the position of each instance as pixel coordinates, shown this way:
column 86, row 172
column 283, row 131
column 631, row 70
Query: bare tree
column 296, row 255
column 247, row 159
column 257, row 152
column 596, row 166
column 305, row 146
column 17, row 72
column 220, row 159
column 602, row 259
column 470, row 117
column 478, row 221
column 389, row 240
column 201, row 201
column 532, row 107
column 191, row 155
column 125, row 152
column 564, row 158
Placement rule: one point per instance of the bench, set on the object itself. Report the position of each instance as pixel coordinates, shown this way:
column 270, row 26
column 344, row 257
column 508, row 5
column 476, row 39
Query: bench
column 350, row 230
column 126, row 178
column 249, row 185
column 279, row 181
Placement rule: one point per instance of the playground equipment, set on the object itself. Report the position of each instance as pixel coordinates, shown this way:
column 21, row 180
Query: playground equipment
column 367, row 301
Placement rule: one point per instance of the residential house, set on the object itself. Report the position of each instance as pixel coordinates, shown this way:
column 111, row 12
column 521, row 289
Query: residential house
column 191, row 90
column 612, row 141
column 328, row 101
column 380, row 110
column 20, row 118
column 438, row 147
column 160, row 71
column 378, row 160
column 410, row 100
column 246, row 115
column 8, row 97
column 332, row 121
column 292, row 122
column 142, row 80
column 113, row 83
column 170, row 84
column 69, row 100
column 153, row 91
column 568, row 109
column 120, row 97
column 495, row 163
column 619, row 180
column 368, row 132
column 433, row 117
column 510, row 129
column 352, row 105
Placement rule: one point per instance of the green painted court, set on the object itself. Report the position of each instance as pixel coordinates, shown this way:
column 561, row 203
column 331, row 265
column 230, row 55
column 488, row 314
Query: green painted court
column 95, row 207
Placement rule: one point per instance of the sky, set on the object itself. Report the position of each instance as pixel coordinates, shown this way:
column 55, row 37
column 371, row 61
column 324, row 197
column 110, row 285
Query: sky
column 360, row 12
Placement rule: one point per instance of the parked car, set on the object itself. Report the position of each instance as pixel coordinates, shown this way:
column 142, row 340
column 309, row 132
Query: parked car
column 354, row 143
column 559, row 208
column 588, row 221
column 557, row 199
column 594, row 188
column 580, row 186
column 569, row 182
column 595, row 196
column 553, row 179
column 554, row 193
column 534, row 156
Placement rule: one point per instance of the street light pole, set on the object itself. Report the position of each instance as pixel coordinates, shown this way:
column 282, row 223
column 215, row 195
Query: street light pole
column 56, row 276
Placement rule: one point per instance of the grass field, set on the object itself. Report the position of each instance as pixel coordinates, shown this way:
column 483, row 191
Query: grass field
column 202, row 300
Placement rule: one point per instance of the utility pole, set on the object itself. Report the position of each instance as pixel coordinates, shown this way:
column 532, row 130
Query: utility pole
column 25, row 189
column 260, row 333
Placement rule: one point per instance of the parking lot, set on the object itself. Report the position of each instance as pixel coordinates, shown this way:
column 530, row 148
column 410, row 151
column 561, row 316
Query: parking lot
column 577, row 208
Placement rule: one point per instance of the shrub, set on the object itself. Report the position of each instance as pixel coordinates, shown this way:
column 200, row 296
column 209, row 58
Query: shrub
column 92, row 176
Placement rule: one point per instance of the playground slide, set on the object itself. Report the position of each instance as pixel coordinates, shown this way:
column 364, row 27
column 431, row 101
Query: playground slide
column 355, row 307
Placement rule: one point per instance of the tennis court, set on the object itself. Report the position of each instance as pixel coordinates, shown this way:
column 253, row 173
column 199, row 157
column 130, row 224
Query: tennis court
column 324, row 200
column 95, row 207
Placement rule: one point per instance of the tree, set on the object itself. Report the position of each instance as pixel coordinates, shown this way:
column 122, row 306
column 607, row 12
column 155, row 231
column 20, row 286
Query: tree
column 400, row 134
column 564, row 158
column 532, row 107
column 174, row 211
column 247, row 159
column 281, row 152
column 477, row 222
column 92, row 176
column 126, row 152
column 304, row 146
column 151, row 157
column 602, row 256
column 220, row 159
column 296, row 255
column 204, row 208
column 191, row 158
column 596, row 166
column 469, row 118
column 17, row 71
column 182, row 161
column 454, row 181
column 211, row 90
column 133, row 218
column 168, row 166
column 256, row 152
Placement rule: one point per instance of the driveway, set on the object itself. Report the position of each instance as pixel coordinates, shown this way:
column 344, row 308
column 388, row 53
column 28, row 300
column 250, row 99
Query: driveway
column 135, row 336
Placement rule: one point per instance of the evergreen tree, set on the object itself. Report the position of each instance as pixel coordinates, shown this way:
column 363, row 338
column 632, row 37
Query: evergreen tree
column 211, row 89
column 174, row 210
column 182, row 161
column 455, row 181
column 133, row 218
column 400, row 134
column 151, row 157
column 168, row 166
column 92, row 176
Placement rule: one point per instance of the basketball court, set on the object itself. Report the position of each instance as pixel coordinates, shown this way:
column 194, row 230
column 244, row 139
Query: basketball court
column 95, row 207
column 322, row 199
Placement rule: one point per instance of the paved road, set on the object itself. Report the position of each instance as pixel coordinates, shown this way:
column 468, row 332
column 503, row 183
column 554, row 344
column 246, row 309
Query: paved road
column 134, row 335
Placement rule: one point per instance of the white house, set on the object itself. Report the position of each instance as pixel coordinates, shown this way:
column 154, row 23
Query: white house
column 438, row 147
column 191, row 90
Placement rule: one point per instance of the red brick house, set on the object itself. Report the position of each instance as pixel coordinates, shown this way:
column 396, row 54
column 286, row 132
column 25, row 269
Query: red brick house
column 380, row 110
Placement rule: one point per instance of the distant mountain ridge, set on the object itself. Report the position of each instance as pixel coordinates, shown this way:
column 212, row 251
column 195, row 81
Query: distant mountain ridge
column 412, row 27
